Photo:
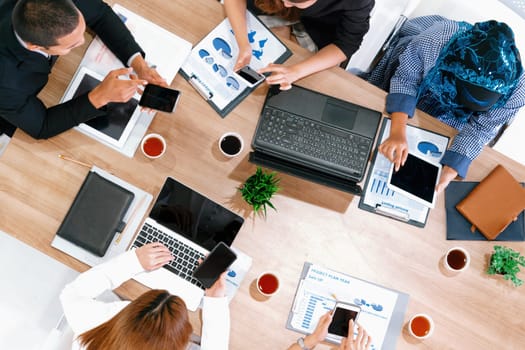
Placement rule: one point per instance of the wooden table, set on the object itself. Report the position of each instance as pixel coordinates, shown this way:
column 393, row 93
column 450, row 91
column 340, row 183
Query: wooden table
column 312, row 222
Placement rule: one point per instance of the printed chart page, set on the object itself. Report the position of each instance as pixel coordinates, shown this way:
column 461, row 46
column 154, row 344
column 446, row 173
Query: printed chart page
column 210, row 64
column 316, row 293
column 423, row 143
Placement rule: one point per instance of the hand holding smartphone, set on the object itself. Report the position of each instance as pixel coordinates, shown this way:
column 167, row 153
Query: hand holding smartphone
column 159, row 98
column 250, row 76
column 343, row 313
column 220, row 258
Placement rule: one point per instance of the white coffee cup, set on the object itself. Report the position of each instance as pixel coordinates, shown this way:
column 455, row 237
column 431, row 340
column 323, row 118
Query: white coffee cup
column 456, row 259
column 153, row 146
column 421, row 326
column 268, row 283
column 231, row 144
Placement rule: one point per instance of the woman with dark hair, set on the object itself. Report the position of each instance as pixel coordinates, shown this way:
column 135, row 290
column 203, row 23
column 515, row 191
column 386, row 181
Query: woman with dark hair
column 155, row 320
column 334, row 29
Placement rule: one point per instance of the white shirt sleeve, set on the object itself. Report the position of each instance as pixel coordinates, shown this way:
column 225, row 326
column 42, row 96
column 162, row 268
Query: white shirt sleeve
column 215, row 324
column 83, row 312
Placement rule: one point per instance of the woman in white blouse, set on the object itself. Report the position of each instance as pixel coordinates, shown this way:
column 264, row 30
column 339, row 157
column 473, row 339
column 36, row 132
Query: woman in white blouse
column 155, row 320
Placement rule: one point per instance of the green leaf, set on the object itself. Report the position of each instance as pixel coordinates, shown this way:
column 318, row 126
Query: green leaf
column 259, row 188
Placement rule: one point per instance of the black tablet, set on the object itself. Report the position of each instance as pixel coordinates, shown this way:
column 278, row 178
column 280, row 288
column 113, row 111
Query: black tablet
column 416, row 179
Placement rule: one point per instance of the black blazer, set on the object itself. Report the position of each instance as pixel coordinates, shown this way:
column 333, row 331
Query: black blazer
column 24, row 73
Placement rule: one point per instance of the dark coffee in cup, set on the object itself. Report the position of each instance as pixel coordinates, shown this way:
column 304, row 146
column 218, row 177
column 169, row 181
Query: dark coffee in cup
column 456, row 259
column 230, row 144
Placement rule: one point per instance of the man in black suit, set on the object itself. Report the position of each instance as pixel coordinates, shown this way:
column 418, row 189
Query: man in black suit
column 34, row 33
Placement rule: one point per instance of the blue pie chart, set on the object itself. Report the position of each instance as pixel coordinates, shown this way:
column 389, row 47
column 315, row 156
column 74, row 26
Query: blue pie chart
column 427, row 147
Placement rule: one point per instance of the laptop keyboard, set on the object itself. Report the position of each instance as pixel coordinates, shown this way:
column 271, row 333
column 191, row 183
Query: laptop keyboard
column 185, row 257
column 313, row 139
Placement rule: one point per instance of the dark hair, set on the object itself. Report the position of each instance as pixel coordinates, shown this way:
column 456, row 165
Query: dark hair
column 155, row 320
column 277, row 8
column 43, row 22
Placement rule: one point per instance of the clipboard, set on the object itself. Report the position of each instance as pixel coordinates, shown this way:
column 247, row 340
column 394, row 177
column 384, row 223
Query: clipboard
column 209, row 67
column 378, row 198
column 369, row 310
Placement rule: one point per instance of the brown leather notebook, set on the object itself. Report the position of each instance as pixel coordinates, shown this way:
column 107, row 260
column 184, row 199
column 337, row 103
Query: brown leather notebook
column 494, row 203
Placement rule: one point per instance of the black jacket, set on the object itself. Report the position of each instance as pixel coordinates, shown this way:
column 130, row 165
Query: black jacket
column 24, row 73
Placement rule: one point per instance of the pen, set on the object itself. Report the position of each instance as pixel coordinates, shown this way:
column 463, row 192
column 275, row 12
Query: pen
column 74, row 161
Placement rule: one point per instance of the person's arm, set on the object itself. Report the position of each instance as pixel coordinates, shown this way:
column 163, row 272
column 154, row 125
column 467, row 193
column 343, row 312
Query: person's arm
column 215, row 317
column 353, row 26
column 329, row 56
column 82, row 310
column 418, row 57
column 318, row 335
column 236, row 13
column 395, row 147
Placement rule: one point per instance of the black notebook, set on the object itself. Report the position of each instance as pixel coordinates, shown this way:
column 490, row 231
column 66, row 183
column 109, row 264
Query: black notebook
column 96, row 214
column 459, row 228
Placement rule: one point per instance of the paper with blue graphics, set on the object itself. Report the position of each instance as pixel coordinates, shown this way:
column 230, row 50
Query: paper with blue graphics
column 315, row 296
column 423, row 143
column 212, row 60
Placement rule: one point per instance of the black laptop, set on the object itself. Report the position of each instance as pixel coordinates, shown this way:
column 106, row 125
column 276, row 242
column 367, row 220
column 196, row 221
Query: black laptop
column 315, row 136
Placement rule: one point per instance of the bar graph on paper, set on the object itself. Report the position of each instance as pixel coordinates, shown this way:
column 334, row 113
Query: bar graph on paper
column 425, row 144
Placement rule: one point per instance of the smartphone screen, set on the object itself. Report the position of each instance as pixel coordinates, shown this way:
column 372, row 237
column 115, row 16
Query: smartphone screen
column 250, row 75
column 342, row 315
column 218, row 261
column 159, row 98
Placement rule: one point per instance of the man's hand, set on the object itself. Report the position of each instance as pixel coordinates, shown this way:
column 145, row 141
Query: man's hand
column 114, row 89
column 282, row 75
column 447, row 174
column 153, row 256
column 218, row 289
column 146, row 72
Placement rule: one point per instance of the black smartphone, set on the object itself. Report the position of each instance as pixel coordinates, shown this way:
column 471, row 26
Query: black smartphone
column 218, row 261
column 250, row 76
column 344, row 312
column 159, row 98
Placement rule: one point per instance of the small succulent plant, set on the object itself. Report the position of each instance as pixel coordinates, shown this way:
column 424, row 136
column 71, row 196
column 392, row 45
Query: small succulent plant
column 259, row 189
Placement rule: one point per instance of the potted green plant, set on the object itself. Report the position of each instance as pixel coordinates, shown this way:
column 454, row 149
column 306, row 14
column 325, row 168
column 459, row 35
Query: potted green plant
column 259, row 189
column 506, row 261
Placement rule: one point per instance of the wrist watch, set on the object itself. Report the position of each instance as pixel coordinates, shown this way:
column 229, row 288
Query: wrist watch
column 300, row 342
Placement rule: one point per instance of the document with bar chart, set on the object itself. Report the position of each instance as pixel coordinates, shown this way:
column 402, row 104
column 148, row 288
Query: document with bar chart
column 382, row 309
column 379, row 198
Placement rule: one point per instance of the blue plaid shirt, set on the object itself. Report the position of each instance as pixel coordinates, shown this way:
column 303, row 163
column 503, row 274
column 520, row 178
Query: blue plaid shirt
column 403, row 68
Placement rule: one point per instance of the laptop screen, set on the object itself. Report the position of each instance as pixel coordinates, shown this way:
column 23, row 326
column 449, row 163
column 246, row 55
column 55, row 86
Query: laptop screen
column 194, row 216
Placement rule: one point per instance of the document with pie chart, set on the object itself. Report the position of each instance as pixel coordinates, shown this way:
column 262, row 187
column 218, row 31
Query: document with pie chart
column 209, row 67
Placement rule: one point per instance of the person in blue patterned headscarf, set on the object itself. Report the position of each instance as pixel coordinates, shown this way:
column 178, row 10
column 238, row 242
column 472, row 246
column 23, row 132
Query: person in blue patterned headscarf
column 468, row 76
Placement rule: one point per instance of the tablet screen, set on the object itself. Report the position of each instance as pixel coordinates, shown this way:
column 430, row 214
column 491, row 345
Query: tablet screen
column 416, row 178
column 117, row 116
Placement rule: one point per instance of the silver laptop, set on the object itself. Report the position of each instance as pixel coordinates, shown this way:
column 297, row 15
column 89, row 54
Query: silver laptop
column 190, row 225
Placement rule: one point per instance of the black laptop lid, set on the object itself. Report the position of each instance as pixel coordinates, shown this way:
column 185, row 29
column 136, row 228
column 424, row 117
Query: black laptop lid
column 194, row 216
column 317, row 106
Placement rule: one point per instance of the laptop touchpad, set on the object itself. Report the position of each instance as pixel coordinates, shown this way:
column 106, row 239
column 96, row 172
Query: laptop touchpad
column 336, row 114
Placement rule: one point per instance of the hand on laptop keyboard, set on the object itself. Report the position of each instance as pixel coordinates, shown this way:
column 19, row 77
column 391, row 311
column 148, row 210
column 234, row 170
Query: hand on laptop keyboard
column 153, row 255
